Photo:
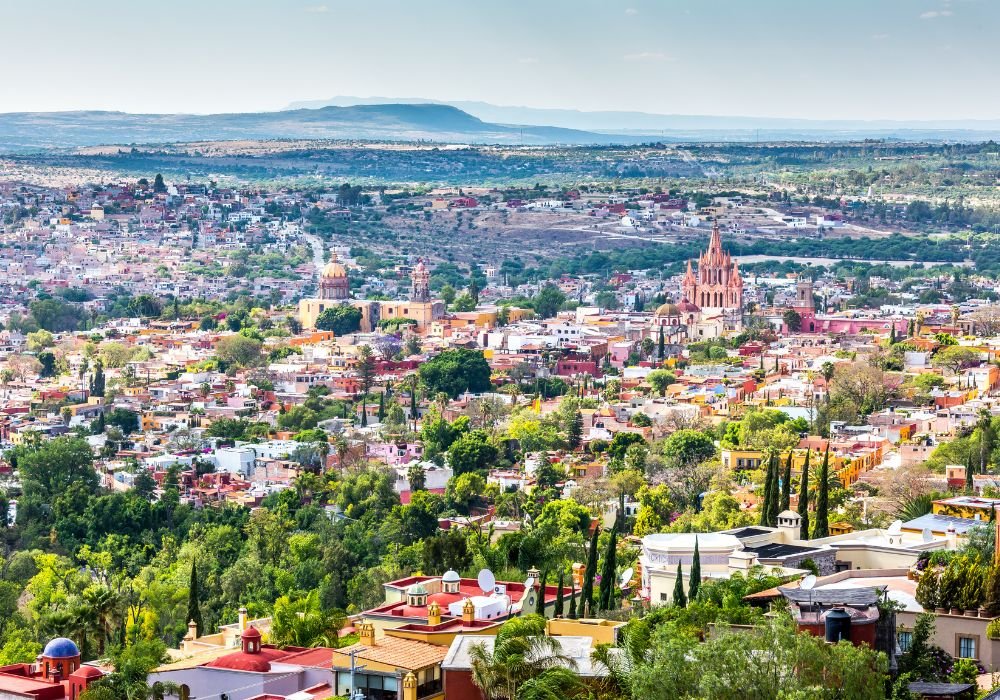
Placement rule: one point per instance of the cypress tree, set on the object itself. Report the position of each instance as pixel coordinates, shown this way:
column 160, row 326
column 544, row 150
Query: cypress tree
column 822, row 527
column 381, row 407
column 414, row 414
column 540, row 605
column 679, row 599
column 587, row 594
column 97, row 381
column 970, row 484
column 892, row 335
column 560, row 601
column 606, row 596
column 194, row 609
column 694, row 581
column 786, row 485
column 575, row 433
column 804, row 500
column 774, row 497
column 660, row 345
column 572, row 598
column 764, row 505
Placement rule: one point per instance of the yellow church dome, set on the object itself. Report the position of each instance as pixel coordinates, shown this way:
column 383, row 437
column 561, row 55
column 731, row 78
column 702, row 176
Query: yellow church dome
column 667, row 310
column 334, row 269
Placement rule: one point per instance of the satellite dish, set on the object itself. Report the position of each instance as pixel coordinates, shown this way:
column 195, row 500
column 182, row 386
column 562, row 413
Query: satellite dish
column 927, row 534
column 486, row 581
column 626, row 578
column 896, row 528
column 808, row 583
column 529, row 583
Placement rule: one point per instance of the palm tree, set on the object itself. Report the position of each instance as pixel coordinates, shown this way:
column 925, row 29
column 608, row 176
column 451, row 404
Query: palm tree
column 103, row 604
column 516, row 661
column 341, row 446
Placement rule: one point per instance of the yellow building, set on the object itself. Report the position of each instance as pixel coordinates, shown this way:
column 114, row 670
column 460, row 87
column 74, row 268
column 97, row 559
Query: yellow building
column 382, row 661
column 969, row 507
column 847, row 466
column 334, row 290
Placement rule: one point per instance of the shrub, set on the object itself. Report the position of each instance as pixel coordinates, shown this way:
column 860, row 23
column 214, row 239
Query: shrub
column 927, row 589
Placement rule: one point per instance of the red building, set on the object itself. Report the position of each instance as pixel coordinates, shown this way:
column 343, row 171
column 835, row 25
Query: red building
column 57, row 675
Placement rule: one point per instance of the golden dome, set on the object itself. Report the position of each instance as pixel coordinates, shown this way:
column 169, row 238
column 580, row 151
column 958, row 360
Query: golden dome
column 667, row 310
column 334, row 269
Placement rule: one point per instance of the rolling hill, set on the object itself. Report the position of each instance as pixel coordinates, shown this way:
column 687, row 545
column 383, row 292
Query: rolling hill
column 21, row 131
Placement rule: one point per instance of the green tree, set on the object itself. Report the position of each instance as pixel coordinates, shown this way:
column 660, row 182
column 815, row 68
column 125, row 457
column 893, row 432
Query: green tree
column 768, row 494
column 560, row 600
column 804, row 500
column 341, row 319
column 471, row 452
column 305, row 622
column 456, row 371
column 239, row 350
column 97, row 380
column 786, row 485
column 548, row 301
column 688, row 447
column 822, row 526
column 194, row 595
column 609, row 579
column 660, row 379
column 694, row 580
column 574, row 432
column 417, row 477
column 679, row 599
column 793, row 320
column 523, row 664
column 589, row 574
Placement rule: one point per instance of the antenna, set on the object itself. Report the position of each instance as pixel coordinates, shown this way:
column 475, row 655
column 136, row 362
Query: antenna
column 896, row 528
column 486, row 580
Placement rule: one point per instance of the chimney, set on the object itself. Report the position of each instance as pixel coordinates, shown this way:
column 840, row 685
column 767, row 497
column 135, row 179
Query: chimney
column 742, row 561
column 243, row 620
column 468, row 611
column 409, row 686
column 434, row 614
column 192, row 634
column 952, row 536
column 366, row 631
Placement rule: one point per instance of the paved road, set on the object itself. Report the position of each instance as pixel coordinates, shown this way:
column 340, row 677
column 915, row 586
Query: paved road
column 319, row 256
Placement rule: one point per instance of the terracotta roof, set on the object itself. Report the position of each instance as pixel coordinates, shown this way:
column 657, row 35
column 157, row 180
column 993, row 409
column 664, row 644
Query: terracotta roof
column 408, row 654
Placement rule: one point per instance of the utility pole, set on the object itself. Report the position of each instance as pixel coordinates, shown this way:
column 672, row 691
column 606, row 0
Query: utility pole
column 354, row 669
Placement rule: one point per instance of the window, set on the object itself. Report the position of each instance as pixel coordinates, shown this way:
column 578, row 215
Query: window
column 663, row 597
column 905, row 640
column 967, row 647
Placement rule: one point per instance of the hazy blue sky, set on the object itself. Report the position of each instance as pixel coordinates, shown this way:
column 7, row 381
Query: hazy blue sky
column 905, row 59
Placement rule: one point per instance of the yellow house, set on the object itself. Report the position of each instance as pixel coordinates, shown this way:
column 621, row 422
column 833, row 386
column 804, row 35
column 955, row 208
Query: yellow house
column 601, row 631
column 966, row 507
column 389, row 665
column 848, row 467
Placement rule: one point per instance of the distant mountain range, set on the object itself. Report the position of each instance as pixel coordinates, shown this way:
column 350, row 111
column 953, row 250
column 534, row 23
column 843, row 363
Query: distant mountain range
column 414, row 119
column 21, row 131
column 681, row 126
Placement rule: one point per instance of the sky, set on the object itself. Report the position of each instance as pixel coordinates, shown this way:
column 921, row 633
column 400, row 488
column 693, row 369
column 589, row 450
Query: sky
column 829, row 59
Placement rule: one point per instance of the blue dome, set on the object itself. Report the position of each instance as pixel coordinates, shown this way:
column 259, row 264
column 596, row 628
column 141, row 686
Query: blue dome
column 60, row 648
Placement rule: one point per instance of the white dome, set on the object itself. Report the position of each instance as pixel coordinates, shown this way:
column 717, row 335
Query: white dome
column 451, row 577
